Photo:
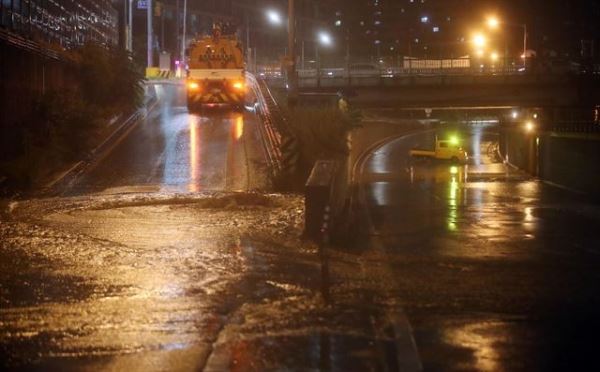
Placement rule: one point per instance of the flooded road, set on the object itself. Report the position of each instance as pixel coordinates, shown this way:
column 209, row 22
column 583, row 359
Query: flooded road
column 163, row 257
column 159, row 258
column 177, row 151
column 495, row 270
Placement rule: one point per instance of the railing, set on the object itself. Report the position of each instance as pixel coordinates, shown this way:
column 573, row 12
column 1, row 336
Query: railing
column 576, row 127
column 270, row 134
column 281, row 145
column 399, row 71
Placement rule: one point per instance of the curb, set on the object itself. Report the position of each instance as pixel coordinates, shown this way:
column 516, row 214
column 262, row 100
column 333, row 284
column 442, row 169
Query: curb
column 375, row 146
column 68, row 177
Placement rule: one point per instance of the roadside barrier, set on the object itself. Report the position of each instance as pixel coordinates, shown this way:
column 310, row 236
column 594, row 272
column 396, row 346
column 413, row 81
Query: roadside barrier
column 576, row 127
column 328, row 215
column 157, row 73
column 318, row 199
column 281, row 146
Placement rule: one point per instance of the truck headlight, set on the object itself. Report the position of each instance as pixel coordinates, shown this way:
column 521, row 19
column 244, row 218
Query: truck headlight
column 238, row 85
column 192, row 85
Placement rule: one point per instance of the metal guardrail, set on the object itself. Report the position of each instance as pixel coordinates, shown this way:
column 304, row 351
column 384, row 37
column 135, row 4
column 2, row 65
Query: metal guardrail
column 269, row 132
column 576, row 127
column 280, row 144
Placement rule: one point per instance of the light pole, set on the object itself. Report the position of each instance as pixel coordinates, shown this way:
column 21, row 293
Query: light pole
column 248, row 49
column 130, row 28
column 324, row 39
column 183, row 34
column 494, row 23
column 291, row 60
column 275, row 19
column 524, row 46
column 150, row 35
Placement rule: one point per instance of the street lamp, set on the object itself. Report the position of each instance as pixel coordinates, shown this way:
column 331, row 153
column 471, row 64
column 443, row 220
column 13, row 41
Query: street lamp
column 274, row 17
column 325, row 39
column 529, row 126
column 479, row 40
column 183, row 34
column 494, row 23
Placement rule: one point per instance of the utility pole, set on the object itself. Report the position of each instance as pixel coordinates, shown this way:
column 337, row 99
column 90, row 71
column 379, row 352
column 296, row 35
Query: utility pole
column 177, row 53
column 348, row 52
column 130, row 28
column 302, row 65
column 125, row 24
column 162, row 29
column 150, row 34
column 183, row 34
column 525, row 47
column 248, row 49
column 291, row 67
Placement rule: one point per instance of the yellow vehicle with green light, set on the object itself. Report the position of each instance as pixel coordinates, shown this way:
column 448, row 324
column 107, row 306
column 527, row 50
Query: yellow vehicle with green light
column 444, row 150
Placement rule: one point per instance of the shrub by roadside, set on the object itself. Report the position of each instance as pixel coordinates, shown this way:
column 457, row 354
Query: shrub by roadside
column 64, row 125
column 322, row 134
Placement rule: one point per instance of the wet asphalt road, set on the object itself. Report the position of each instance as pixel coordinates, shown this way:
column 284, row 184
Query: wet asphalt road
column 495, row 270
column 159, row 259
column 156, row 261
column 173, row 150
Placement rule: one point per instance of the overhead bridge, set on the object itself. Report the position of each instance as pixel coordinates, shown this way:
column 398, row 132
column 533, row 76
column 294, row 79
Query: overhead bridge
column 460, row 90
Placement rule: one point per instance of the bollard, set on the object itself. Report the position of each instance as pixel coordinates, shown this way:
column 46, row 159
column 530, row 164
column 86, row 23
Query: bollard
column 317, row 200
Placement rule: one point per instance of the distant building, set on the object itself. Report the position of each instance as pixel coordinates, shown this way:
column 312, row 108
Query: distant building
column 67, row 23
column 444, row 28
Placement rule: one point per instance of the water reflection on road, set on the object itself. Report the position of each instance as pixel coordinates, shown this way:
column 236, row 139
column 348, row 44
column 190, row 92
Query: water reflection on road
column 481, row 238
column 174, row 150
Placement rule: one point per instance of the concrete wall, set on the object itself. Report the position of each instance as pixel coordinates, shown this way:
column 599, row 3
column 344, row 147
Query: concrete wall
column 520, row 149
column 572, row 161
column 25, row 75
column 569, row 160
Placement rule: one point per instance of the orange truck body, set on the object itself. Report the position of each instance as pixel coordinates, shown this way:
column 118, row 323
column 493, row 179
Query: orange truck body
column 216, row 73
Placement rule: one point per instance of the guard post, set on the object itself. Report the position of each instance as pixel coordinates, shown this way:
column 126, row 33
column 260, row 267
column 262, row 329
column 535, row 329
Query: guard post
column 318, row 200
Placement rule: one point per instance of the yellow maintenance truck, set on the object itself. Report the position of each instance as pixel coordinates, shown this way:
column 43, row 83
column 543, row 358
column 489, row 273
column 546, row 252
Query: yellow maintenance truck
column 216, row 72
column 444, row 150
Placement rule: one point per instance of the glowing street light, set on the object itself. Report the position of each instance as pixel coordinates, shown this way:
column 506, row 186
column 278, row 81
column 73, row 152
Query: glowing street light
column 274, row 17
column 494, row 57
column 325, row 39
column 529, row 126
column 479, row 40
column 493, row 22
